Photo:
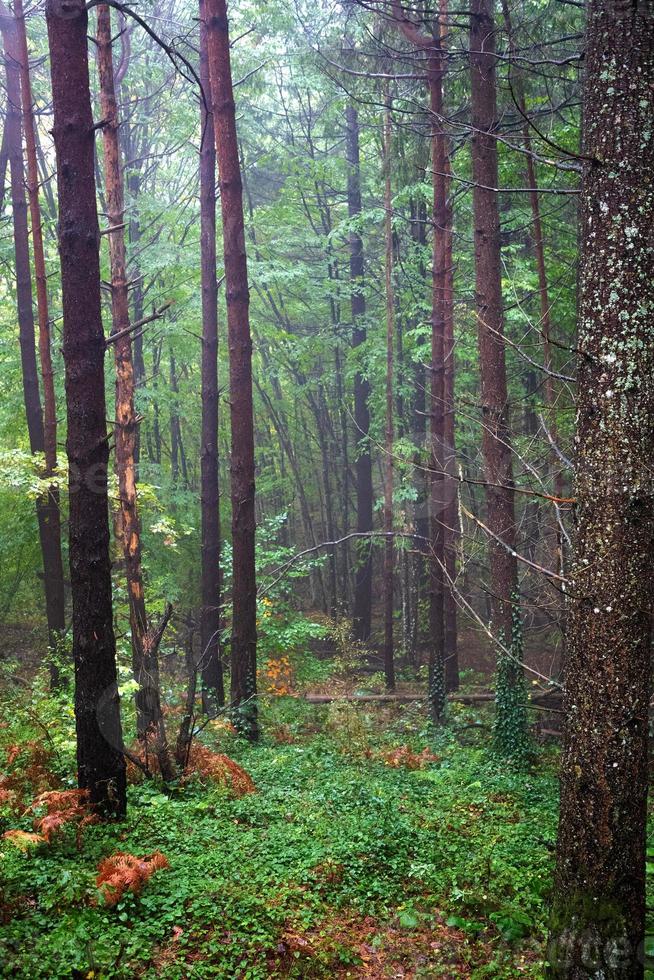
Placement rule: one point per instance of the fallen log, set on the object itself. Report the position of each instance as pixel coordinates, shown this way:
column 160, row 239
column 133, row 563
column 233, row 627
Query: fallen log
column 476, row 697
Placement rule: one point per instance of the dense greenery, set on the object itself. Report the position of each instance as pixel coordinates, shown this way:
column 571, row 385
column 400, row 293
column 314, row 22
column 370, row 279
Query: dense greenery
column 344, row 855
column 291, row 131
column 356, row 838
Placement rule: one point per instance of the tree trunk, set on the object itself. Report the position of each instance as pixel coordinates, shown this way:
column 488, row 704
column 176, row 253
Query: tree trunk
column 145, row 653
column 437, row 503
column 244, row 599
column 435, row 66
column 364, row 495
column 451, row 514
column 101, row 765
column 421, row 510
column 213, row 693
column 177, row 453
column 42, row 432
column 389, row 666
column 510, row 727
column 598, row 919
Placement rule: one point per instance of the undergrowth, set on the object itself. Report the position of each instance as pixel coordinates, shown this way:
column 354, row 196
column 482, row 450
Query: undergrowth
column 362, row 844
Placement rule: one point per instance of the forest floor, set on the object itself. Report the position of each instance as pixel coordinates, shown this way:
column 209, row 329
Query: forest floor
column 371, row 846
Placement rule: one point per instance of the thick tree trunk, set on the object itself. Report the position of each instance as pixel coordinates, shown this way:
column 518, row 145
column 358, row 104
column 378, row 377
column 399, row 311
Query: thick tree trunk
column 364, row 496
column 145, row 654
column 42, row 433
column 244, row 600
column 101, row 765
column 213, row 693
column 389, row 665
column 496, row 446
column 598, row 920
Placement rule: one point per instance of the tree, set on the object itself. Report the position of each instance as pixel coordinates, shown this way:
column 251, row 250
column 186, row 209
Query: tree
column 100, row 760
column 145, row 652
column 598, row 917
column 364, row 494
column 510, row 724
column 211, row 616
column 389, row 666
column 244, row 598
column 42, row 429
column 435, row 69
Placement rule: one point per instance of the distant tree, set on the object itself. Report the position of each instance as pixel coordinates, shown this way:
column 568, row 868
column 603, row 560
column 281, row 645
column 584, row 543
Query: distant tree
column 363, row 465
column 389, row 664
column 100, row 761
column 42, row 428
column 598, row 917
column 429, row 43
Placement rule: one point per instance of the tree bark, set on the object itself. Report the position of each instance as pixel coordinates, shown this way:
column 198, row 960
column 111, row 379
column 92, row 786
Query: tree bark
column 451, row 515
column 437, row 503
column 145, row 653
column 543, row 289
column 496, row 446
column 101, row 765
column 435, row 68
column 389, row 665
column 213, row 693
column 598, row 920
column 42, row 432
column 244, row 600
column 363, row 471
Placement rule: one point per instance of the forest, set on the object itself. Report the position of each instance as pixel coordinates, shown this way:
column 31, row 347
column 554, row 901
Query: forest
column 326, row 490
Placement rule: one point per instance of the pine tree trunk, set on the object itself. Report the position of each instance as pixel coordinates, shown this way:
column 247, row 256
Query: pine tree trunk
column 213, row 693
column 496, row 446
column 389, row 665
column 451, row 514
column 598, row 919
column 145, row 653
column 432, row 45
column 549, row 390
column 244, row 599
column 421, row 511
column 101, row 765
column 363, row 467
column 42, row 431
column 437, row 502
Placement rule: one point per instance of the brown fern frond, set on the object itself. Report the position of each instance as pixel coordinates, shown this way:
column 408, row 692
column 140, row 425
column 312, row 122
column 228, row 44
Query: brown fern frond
column 63, row 808
column 123, row 872
column 220, row 769
column 28, row 765
column 22, row 839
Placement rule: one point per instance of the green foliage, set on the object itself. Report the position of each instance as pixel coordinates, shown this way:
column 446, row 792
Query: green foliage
column 462, row 844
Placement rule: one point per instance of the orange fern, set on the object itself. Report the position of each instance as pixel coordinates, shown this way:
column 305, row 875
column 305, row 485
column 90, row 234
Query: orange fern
column 403, row 757
column 22, row 839
column 63, row 808
column 219, row 769
column 29, row 769
column 122, row 873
